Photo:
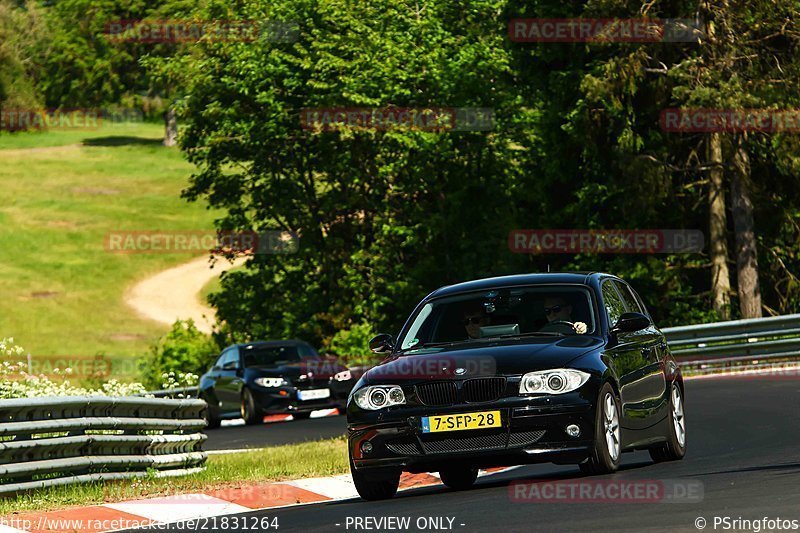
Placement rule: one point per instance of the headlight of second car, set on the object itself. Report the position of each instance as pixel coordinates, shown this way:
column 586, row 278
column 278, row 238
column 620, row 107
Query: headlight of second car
column 557, row 381
column 377, row 397
column 270, row 382
column 344, row 375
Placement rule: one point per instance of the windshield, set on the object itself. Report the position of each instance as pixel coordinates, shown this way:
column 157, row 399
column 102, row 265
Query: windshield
column 277, row 355
column 503, row 312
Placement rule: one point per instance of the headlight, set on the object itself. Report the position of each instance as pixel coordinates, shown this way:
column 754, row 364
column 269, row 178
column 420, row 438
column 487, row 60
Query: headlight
column 344, row 375
column 556, row 381
column 270, row 382
column 377, row 397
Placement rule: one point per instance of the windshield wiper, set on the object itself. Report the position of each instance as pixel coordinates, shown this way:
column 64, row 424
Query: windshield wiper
column 533, row 334
column 436, row 344
column 483, row 339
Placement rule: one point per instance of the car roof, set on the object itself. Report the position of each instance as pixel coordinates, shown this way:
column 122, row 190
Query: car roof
column 582, row 278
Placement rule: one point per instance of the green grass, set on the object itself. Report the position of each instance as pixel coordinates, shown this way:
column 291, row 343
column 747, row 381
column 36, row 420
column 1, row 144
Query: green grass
column 62, row 137
column 213, row 286
column 61, row 193
column 294, row 461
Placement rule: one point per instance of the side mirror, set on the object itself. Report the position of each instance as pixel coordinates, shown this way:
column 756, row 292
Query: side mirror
column 381, row 343
column 630, row 322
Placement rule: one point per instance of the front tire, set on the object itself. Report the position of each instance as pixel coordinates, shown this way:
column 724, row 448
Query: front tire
column 212, row 418
column 459, row 478
column 675, row 447
column 375, row 484
column 605, row 455
column 248, row 409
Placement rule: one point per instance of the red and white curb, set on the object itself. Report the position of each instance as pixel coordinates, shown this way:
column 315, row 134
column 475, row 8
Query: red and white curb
column 215, row 503
column 320, row 413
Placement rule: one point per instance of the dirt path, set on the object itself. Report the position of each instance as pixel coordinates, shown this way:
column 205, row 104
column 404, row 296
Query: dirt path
column 174, row 293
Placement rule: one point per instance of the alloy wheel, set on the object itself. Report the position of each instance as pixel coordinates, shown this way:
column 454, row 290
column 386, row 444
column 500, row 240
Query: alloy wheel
column 677, row 416
column 611, row 423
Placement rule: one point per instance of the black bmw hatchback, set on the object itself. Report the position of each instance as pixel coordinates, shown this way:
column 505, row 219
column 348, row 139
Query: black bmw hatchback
column 275, row 377
column 560, row 367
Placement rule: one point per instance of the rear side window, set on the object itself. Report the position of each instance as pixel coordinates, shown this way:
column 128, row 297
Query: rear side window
column 627, row 296
column 640, row 301
column 612, row 302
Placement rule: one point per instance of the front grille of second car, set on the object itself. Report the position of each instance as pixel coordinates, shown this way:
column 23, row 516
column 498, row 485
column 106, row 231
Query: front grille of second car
column 437, row 393
column 483, row 389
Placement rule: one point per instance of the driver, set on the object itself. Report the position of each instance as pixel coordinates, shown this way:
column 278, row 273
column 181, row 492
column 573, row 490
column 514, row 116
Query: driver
column 557, row 308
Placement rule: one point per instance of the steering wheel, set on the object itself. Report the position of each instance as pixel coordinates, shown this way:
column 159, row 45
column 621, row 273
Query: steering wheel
column 559, row 326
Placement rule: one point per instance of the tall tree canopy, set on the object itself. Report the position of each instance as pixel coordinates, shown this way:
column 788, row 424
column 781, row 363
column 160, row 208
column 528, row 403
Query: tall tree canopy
column 385, row 215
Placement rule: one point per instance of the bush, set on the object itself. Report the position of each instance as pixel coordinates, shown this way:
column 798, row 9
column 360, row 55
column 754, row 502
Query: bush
column 351, row 346
column 16, row 382
column 179, row 357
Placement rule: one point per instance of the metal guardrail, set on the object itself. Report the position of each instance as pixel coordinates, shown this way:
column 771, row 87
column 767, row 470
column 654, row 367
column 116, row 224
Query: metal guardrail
column 53, row 441
column 186, row 392
column 736, row 340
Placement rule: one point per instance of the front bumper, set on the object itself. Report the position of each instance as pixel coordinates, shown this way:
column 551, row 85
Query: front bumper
column 272, row 402
column 533, row 431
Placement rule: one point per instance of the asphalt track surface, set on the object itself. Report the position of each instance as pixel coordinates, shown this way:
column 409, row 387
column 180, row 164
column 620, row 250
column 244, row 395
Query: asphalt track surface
column 275, row 433
column 743, row 450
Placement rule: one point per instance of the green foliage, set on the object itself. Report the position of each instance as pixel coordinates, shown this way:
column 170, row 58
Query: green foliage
column 386, row 216
column 21, row 28
column 179, row 357
column 382, row 216
column 17, row 382
column 352, row 345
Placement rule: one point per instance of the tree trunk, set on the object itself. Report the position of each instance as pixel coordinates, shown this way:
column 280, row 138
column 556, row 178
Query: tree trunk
column 170, row 128
column 718, row 246
column 744, row 227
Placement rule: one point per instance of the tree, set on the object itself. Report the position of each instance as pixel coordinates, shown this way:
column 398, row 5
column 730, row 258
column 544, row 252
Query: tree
column 21, row 29
column 383, row 216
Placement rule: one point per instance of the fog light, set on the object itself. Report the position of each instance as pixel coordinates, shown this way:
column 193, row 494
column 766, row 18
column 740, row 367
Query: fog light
column 573, row 430
column 366, row 447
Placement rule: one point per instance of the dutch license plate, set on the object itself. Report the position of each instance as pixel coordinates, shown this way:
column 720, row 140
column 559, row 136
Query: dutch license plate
column 461, row 421
column 313, row 394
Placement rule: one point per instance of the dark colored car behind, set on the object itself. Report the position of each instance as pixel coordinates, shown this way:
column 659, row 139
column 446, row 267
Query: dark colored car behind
column 274, row 377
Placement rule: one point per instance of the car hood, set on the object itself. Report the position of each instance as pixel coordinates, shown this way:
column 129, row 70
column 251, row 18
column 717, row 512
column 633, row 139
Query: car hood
column 321, row 369
column 463, row 361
